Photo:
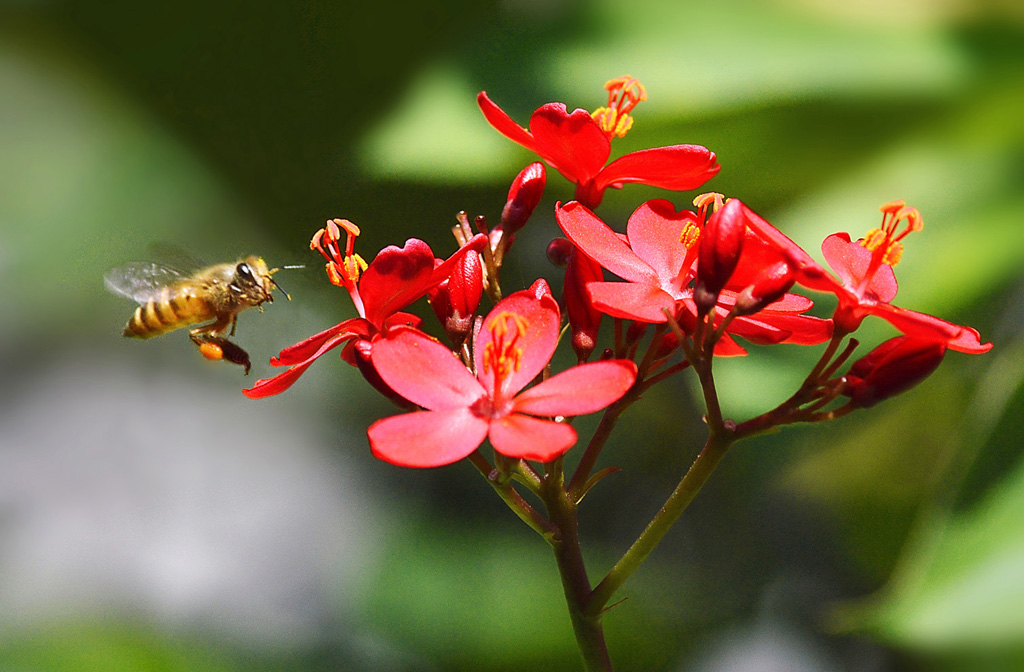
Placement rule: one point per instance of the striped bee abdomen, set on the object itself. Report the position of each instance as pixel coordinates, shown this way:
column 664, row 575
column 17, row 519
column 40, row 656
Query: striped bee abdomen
column 170, row 309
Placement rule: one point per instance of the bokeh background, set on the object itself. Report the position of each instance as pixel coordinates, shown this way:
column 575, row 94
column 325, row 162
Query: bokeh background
column 151, row 518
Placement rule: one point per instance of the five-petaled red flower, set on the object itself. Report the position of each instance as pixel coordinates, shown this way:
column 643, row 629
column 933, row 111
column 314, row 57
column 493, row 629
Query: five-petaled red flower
column 657, row 259
column 514, row 345
column 393, row 280
column 866, row 283
column 578, row 145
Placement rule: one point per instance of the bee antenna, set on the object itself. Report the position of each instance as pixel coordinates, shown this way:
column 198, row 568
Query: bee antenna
column 286, row 295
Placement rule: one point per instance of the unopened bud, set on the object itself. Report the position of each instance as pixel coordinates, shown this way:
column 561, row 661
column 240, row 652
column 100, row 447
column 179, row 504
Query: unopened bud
column 892, row 368
column 584, row 319
column 667, row 345
column 721, row 243
column 635, row 332
column 523, row 197
column 770, row 285
column 455, row 300
column 558, row 252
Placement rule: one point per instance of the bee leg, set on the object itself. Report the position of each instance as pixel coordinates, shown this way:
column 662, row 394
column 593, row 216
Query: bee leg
column 213, row 346
column 234, row 321
column 218, row 347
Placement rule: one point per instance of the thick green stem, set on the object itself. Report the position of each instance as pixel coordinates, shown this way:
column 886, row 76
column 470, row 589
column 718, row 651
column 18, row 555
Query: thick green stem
column 575, row 583
column 691, row 483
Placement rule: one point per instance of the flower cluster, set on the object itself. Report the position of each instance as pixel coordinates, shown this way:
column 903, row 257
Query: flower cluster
column 706, row 279
column 680, row 288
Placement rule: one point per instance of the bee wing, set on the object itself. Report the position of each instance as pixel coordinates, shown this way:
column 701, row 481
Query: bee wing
column 176, row 257
column 141, row 280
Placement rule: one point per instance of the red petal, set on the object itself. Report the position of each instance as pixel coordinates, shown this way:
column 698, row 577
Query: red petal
column 531, row 438
column 654, row 232
column 757, row 255
column 427, row 438
column 535, row 346
column 281, row 382
column 423, row 371
column 679, row 167
column 579, row 390
column 969, row 341
column 727, row 347
column 924, row 326
column 503, row 123
column 631, row 300
column 790, row 303
column 303, row 350
column 602, row 244
column 796, row 329
column 810, row 273
column 851, row 261
column 395, row 278
column 573, row 144
column 398, row 276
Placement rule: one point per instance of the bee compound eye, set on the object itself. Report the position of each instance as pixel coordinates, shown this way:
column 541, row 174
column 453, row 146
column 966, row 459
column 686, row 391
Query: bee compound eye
column 244, row 271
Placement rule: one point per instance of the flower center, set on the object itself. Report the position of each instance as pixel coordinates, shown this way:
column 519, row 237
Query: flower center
column 624, row 93
column 503, row 355
column 342, row 269
column 884, row 242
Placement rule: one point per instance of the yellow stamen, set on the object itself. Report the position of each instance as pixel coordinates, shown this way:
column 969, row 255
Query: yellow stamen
column 884, row 241
column 501, row 356
column 342, row 269
column 624, row 93
column 707, row 204
column 690, row 235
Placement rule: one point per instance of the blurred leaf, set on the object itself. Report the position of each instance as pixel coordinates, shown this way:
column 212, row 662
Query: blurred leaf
column 873, row 471
column 438, row 134
column 108, row 646
column 960, row 584
column 964, row 583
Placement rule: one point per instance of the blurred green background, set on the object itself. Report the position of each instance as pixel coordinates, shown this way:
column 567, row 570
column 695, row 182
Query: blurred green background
column 151, row 518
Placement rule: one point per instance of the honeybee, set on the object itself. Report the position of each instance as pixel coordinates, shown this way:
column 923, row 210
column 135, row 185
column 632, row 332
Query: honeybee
column 170, row 299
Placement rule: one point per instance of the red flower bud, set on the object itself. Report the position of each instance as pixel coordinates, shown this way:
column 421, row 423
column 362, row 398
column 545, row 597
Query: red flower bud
column 769, row 286
column 584, row 319
column 667, row 345
column 893, row 367
column 456, row 299
column 523, row 197
column 721, row 242
column 558, row 252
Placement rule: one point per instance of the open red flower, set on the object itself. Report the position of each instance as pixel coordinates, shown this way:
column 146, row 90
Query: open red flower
column 393, row 280
column 515, row 344
column 868, row 284
column 657, row 259
column 578, row 145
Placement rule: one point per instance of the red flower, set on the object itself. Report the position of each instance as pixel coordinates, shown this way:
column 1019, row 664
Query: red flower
column 657, row 258
column 396, row 278
column 513, row 347
column 578, row 145
column 866, row 281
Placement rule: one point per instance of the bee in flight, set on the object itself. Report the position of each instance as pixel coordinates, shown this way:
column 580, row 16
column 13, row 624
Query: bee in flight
column 170, row 299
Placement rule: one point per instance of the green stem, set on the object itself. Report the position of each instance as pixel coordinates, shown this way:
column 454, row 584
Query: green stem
column 691, row 483
column 512, row 498
column 586, row 626
column 596, row 444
